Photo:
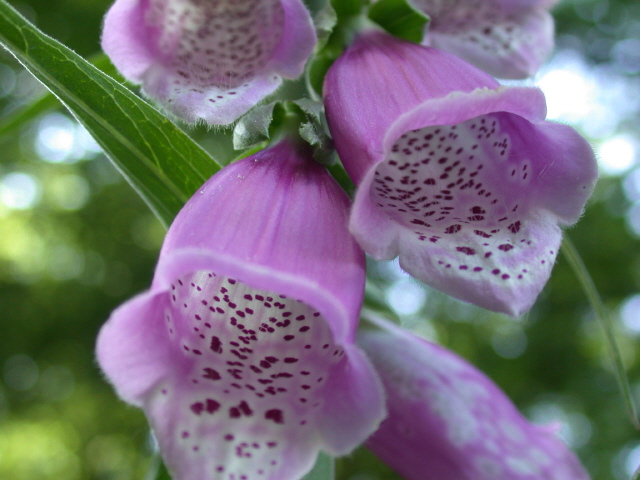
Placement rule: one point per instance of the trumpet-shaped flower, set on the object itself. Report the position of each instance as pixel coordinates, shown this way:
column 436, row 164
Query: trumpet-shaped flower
column 459, row 176
column 208, row 60
column 447, row 420
column 506, row 38
column 241, row 354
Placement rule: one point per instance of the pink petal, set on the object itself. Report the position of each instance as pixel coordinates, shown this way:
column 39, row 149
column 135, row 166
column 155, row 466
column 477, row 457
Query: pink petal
column 447, row 420
column 466, row 185
column 279, row 222
column 121, row 349
column 248, row 328
column 378, row 79
column 208, row 61
column 505, row 38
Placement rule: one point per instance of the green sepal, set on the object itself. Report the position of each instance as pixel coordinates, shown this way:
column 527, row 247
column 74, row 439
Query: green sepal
column 400, row 18
column 253, row 128
column 325, row 21
column 314, row 131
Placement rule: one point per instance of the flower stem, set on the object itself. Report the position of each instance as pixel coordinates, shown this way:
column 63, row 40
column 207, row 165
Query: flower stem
column 153, row 471
column 324, row 469
column 573, row 257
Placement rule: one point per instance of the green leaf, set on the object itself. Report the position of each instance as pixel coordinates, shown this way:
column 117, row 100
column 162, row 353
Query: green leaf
column 324, row 469
column 400, row 18
column 573, row 257
column 347, row 8
column 159, row 160
column 47, row 101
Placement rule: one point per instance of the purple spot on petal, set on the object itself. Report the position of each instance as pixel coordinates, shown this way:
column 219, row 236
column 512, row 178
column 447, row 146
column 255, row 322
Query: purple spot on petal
column 197, row 407
column 211, row 406
column 276, row 416
column 211, row 374
column 216, row 345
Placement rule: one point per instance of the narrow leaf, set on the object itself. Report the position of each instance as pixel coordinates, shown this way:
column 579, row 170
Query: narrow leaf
column 573, row 257
column 46, row 102
column 159, row 160
column 400, row 18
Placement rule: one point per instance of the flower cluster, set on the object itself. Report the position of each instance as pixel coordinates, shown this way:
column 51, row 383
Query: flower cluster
column 244, row 353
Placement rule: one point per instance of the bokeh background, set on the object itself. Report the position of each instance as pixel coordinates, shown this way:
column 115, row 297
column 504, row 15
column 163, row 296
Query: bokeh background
column 76, row 241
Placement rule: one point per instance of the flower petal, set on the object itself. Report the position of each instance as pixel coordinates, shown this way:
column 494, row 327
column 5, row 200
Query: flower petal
column 353, row 396
column 469, row 198
column 208, row 60
column 214, row 105
column 125, row 42
column 378, row 79
column 467, row 186
column 121, row 349
column 250, row 377
column 297, row 42
column 447, row 420
column 249, row 326
column 280, row 223
column 567, row 182
column 506, row 39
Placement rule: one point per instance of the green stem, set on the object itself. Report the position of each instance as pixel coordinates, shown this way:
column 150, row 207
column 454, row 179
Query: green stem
column 324, row 469
column 573, row 257
column 154, row 467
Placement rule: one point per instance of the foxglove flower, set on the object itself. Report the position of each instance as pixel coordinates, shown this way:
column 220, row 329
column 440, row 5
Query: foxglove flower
column 208, row 60
column 506, row 38
column 459, row 176
column 447, row 420
column 242, row 352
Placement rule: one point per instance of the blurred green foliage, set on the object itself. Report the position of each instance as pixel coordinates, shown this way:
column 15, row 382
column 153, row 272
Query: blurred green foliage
column 76, row 241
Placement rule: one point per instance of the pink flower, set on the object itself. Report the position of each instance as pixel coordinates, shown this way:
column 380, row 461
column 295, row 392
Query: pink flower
column 241, row 354
column 506, row 38
column 209, row 60
column 448, row 421
column 460, row 177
